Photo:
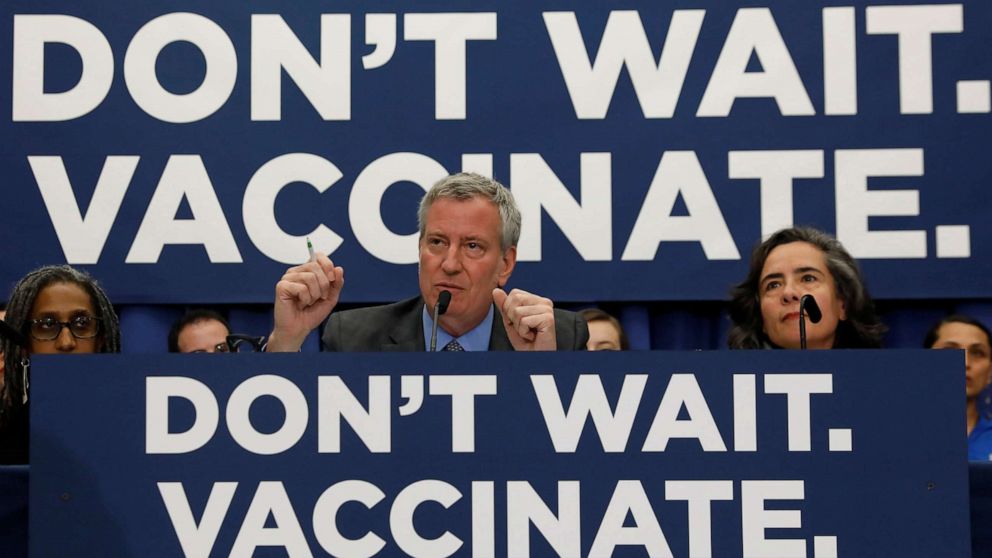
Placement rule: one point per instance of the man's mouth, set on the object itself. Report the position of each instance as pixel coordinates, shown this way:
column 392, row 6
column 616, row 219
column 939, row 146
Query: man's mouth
column 448, row 287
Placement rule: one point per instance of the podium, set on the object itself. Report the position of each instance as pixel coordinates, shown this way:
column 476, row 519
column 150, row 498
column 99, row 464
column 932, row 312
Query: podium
column 752, row 453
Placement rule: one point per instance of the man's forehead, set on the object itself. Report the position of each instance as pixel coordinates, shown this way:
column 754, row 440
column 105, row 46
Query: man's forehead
column 463, row 201
column 205, row 322
column 470, row 213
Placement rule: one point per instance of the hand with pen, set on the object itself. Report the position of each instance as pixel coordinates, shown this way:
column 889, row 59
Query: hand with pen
column 305, row 296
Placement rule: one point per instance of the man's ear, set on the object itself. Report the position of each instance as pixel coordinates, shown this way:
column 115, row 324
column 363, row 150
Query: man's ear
column 507, row 261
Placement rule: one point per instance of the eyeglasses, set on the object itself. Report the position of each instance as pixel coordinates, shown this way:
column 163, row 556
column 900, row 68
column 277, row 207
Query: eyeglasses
column 237, row 343
column 240, row 343
column 218, row 348
column 49, row 329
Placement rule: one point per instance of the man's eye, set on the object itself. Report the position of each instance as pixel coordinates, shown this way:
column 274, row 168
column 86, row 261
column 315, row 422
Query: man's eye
column 473, row 245
column 435, row 244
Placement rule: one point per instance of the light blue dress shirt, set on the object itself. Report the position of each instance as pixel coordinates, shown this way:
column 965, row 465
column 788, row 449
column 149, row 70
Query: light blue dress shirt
column 476, row 339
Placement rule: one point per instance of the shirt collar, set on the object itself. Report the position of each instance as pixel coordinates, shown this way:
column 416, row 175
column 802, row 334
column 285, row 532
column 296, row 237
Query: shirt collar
column 476, row 339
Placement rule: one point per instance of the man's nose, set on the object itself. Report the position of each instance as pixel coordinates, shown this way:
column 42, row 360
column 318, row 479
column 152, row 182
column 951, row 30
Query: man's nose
column 452, row 262
column 66, row 341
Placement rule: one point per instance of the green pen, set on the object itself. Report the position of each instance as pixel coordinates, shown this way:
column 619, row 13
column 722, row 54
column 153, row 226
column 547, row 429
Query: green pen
column 313, row 258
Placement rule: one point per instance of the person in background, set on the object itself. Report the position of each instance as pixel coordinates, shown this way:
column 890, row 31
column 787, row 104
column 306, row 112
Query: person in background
column 791, row 263
column 605, row 331
column 964, row 332
column 59, row 310
column 199, row 331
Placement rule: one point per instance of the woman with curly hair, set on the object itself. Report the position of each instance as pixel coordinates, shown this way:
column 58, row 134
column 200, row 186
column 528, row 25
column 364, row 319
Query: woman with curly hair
column 789, row 264
column 57, row 310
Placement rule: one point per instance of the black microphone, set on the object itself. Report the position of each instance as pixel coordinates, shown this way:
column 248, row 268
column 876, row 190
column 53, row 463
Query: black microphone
column 807, row 306
column 443, row 299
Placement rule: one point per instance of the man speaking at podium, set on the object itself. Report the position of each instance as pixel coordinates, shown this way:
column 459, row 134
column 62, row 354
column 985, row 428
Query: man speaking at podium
column 469, row 228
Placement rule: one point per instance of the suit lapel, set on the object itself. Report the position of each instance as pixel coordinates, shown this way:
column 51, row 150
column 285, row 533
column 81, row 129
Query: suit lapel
column 498, row 341
column 407, row 333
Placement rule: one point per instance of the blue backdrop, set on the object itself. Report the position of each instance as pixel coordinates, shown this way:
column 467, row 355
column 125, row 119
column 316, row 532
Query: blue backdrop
column 182, row 157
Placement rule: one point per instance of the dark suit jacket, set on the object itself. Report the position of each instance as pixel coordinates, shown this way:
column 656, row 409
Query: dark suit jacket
column 400, row 327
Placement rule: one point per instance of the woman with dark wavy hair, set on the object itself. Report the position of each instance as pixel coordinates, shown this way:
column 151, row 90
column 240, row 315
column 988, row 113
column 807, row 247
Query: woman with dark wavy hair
column 57, row 310
column 789, row 264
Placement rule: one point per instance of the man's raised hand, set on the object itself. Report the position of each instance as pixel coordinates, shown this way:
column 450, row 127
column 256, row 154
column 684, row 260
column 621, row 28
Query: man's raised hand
column 529, row 320
column 305, row 296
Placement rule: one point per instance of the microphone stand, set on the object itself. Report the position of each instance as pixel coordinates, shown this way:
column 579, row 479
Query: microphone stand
column 802, row 325
column 443, row 299
column 807, row 304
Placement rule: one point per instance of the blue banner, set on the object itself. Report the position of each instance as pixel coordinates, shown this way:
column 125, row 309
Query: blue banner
column 820, row 454
column 183, row 151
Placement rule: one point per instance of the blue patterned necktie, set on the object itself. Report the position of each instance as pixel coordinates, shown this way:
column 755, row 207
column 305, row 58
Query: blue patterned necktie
column 453, row 346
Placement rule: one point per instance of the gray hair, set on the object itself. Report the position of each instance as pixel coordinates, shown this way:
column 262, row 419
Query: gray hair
column 468, row 185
